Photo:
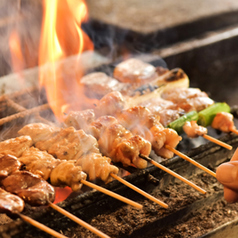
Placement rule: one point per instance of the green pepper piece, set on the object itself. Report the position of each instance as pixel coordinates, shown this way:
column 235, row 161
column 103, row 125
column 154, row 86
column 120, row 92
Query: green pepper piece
column 177, row 125
column 206, row 116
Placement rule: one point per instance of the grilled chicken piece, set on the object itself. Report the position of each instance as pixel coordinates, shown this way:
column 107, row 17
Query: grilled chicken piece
column 80, row 119
column 192, row 129
column 60, row 172
column 118, row 143
column 98, row 84
column 67, row 173
column 134, row 71
column 39, row 131
column 16, row 146
column 140, row 121
column 188, row 99
column 8, row 165
column 97, row 166
column 111, row 104
column 166, row 110
column 71, row 144
column 38, row 162
column 31, row 188
column 223, row 121
column 66, row 144
column 10, row 203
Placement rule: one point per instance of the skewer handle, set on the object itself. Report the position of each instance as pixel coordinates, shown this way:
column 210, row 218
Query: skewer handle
column 173, row 174
column 183, row 156
column 214, row 140
column 41, row 226
column 139, row 190
column 79, row 221
column 112, row 194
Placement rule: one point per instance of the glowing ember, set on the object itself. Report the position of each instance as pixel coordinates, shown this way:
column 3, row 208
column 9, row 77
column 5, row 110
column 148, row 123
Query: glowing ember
column 62, row 36
column 61, row 194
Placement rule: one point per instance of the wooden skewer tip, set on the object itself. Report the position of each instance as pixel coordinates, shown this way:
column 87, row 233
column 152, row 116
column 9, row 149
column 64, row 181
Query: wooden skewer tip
column 216, row 141
column 164, row 205
column 79, row 221
column 112, row 194
column 183, row 156
column 234, row 130
column 41, row 226
column 174, row 174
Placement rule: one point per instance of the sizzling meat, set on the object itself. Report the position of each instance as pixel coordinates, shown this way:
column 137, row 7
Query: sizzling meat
column 76, row 145
column 98, row 84
column 39, row 131
column 38, row 162
column 166, row 110
column 31, row 188
column 134, row 71
column 111, row 104
column 8, row 165
column 192, row 129
column 10, row 203
column 188, row 99
column 97, row 166
column 223, row 121
column 67, row 173
column 16, row 146
column 80, row 119
column 140, row 121
column 68, row 143
column 118, row 143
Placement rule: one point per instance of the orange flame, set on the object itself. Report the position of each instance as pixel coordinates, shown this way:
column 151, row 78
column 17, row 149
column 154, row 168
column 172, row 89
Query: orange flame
column 17, row 58
column 62, row 36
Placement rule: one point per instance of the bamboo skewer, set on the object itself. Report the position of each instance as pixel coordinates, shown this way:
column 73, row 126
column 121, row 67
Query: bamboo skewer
column 112, row 194
column 183, row 156
column 173, row 174
column 79, row 221
column 139, row 190
column 216, row 141
column 234, row 130
column 41, row 226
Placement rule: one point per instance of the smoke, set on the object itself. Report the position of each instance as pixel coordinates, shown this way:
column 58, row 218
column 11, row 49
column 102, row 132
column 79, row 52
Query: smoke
column 23, row 18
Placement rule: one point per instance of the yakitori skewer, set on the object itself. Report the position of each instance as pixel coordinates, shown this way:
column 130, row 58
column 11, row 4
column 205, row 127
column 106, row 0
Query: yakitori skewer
column 42, row 227
column 173, row 173
column 77, row 220
column 188, row 124
column 139, row 190
column 183, row 156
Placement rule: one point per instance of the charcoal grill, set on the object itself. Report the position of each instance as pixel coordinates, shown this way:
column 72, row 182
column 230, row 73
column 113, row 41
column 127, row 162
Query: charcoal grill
column 209, row 61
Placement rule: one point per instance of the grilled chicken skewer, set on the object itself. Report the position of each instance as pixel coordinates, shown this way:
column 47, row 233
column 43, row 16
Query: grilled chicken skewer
column 61, row 172
column 33, row 189
column 110, row 133
column 11, row 204
column 96, row 165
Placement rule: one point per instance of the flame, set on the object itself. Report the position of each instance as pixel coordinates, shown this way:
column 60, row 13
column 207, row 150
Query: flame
column 61, row 37
column 17, row 58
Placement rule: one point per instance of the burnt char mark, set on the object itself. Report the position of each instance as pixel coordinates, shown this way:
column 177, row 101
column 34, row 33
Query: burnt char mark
column 175, row 74
column 145, row 89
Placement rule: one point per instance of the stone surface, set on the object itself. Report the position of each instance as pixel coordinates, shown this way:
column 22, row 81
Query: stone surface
column 152, row 15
